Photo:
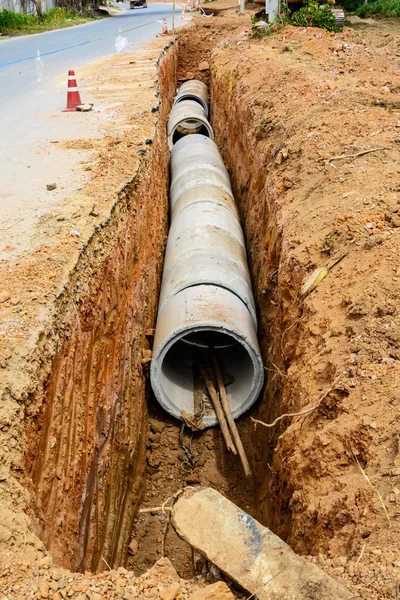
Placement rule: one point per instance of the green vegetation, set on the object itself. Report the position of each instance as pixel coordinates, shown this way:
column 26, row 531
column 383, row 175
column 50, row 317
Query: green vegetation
column 362, row 8
column 386, row 8
column 12, row 23
column 311, row 14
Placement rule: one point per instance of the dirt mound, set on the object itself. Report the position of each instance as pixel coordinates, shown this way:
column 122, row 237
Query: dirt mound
column 309, row 128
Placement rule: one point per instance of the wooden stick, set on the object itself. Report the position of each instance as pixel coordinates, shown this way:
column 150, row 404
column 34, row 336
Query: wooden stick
column 356, row 155
column 217, row 406
column 228, row 414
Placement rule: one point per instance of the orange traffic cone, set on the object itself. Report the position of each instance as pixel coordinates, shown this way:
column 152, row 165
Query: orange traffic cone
column 73, row 97
column 164, row 26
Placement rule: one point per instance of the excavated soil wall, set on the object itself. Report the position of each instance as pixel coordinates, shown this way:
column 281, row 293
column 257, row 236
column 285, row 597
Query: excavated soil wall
column 87, row 427
column 311, row 193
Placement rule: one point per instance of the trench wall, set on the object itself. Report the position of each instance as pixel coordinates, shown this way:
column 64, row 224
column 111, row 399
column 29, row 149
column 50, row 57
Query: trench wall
column 87, row 425
column 255, row 192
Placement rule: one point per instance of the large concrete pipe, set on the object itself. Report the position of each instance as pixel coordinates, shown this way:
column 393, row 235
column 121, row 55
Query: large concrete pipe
column 194, row 90
column 187, row 117
column 206, row 298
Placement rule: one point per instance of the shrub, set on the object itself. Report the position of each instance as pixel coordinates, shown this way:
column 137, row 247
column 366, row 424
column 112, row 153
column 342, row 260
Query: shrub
column 387, row 8
column 314, row 15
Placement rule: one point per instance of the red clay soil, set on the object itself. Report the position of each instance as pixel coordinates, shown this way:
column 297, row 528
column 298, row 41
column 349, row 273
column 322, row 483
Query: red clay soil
column 296, row 116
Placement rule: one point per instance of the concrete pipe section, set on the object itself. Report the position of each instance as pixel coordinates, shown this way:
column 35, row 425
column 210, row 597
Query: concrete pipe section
column 206, row 299
column 194, row 90
column 186, row 118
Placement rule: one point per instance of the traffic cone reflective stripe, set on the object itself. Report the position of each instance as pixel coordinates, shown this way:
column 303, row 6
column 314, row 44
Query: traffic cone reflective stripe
column 73, row 96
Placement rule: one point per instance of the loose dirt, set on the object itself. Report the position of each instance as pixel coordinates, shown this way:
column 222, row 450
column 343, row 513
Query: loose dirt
column 327, row 483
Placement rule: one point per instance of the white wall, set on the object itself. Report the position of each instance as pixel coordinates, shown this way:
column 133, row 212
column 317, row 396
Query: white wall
column 14, row 5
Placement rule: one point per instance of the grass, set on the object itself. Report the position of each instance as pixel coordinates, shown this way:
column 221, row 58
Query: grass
column 385, row 8
column 12, row 23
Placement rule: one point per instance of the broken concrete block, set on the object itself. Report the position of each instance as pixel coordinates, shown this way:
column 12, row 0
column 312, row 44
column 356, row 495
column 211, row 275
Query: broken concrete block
column 215, row 591
column 247, row 552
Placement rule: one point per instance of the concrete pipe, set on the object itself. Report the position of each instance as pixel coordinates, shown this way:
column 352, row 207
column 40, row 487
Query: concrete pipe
column 193, row 90
column 206, row 246
column 194, row 172
column 206, row 297
column 203, row 193
column 186, row 118
column 186, row 325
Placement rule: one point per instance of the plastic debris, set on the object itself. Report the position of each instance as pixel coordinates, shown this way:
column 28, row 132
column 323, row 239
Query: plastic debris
column 39, row 66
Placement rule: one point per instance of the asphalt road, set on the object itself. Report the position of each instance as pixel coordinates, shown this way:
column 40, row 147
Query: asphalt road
column 71, row 48
column 29, row 96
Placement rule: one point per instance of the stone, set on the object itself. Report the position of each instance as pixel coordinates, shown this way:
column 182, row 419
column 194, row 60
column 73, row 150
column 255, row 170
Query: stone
column 44, row 589
column 246, row 551
column 4, row 296
column 45, row 561
column 395, row 222
column 204, row 66
column 170, row 592
column 157, row 426
column 133, row 547
column 51, row 186
column 339, row 561
column 94, row 595
column 215, row 591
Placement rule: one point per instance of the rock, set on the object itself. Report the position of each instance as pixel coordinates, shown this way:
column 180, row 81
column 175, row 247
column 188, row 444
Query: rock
column 370, row 225
column 339, row 561
column 94, row 595
column 4, row 296
column 5, row 534
column 157, row 426
column 204, row 66
column 215, row 591
column 133, row 547
column 395, row 222
column 395, row 208
column 45, row 562
column 170, row 592
column 248, row 552
column 44, row 589
column 57, row 596
column 51, row 186
column 84, row 107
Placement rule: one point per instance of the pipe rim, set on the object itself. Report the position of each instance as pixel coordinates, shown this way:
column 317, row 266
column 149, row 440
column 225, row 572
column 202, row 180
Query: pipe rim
column 195, row 98
column 184, row 330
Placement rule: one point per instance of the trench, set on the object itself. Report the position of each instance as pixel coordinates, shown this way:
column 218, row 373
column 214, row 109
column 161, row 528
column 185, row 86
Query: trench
column 100, row 447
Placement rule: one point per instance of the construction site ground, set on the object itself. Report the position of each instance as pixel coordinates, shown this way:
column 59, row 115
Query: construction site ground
column 308, row 124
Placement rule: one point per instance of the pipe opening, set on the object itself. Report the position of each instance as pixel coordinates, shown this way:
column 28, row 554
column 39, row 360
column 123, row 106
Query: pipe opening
column 195, row 98
column 178, row 369
column 189, row 127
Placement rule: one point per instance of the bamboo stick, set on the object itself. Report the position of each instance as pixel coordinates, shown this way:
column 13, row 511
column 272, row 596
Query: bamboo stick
column 228, row 414
column 217, row 406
